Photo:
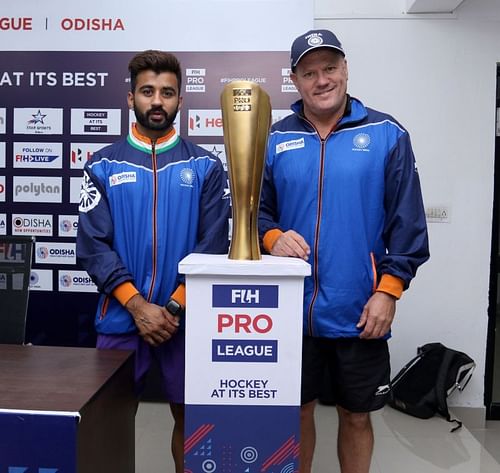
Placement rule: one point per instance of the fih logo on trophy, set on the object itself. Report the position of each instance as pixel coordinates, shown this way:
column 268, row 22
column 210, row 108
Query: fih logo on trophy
column 246, row 117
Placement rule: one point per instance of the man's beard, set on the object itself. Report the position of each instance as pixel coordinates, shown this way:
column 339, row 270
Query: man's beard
column 145, row 120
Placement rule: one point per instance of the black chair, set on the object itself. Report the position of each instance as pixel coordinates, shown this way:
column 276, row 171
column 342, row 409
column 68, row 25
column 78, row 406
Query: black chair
column 15, row 269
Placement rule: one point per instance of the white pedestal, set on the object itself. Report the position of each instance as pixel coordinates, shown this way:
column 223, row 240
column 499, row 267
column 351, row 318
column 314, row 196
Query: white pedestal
column 243, row 360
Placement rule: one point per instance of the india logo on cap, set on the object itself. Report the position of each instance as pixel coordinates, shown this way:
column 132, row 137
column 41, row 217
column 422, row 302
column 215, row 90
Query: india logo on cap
column 315, row 40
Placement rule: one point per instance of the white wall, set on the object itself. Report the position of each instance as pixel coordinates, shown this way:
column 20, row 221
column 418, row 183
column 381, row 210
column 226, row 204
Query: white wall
column 437, row 75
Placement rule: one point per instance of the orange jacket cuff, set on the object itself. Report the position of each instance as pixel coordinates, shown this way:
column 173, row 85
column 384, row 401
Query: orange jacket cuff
column 124, row 292
column 270, row 238
column 391, row 285
column 179, row 295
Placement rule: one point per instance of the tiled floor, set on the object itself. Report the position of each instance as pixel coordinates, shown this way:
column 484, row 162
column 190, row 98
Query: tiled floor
column 403, row 444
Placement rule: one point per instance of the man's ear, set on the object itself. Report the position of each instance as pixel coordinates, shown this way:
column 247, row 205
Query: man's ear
column 130, row 100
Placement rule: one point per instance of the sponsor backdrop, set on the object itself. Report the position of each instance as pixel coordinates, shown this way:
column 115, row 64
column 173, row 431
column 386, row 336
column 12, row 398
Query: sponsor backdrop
column 59, row 108
column 63, row 86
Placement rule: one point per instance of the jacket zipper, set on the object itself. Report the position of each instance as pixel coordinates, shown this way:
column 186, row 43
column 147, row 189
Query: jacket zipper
column 310, row 326
column 154, row 222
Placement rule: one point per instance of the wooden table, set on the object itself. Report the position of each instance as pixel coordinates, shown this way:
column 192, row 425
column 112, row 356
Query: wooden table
column 66, row 410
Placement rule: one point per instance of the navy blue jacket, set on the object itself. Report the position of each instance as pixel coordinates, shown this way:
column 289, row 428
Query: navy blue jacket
column 143, row 208
column 355, row 197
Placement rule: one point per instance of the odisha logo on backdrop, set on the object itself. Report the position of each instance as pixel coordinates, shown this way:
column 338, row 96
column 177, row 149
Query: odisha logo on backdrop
column 92, row 24
column 67, row 226
column 65, row 280
column 42, row 252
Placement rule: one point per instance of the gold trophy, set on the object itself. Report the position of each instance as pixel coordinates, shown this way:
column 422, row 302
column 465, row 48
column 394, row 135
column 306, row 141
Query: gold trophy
column 246, row 118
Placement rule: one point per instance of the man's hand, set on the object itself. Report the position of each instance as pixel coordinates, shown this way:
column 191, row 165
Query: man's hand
column 377, row 315
column 290, row 243
column 155, row 323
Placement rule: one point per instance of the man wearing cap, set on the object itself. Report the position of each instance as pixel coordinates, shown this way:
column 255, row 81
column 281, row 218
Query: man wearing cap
column 341, row 190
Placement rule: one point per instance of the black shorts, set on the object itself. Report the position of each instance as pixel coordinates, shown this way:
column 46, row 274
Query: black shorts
column 353, row 373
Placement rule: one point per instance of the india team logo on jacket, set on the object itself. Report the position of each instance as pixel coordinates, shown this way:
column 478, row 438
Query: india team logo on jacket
column 89, row 195
column 187, row 177
column 361, row 142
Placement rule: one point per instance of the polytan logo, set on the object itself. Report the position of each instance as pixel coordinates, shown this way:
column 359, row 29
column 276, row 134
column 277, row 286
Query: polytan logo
column 27, row 224
column 3, row 120
column 96, row 121
column 68, row 225
column 195, row 80
column 2, row 155
column 75, row 187
column 176, row 124
column 3, row 224
column 82, row 152
column 230, row 295
column 55, row 253
column 205, row 123
column 41, row 280
column 278, row 114
column 37, row 189
column 38, row 121
column 75, row 281
column 2, row 188
column 37, row 155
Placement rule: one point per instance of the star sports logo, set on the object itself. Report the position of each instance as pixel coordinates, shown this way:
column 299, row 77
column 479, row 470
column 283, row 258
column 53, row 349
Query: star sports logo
column 37, row 118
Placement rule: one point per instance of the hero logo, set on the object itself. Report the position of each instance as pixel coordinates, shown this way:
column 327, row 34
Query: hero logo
column 245, row 296
column 205, row 123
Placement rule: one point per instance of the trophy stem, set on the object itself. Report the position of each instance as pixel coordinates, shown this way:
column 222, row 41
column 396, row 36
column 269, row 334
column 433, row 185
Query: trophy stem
column 246, row 115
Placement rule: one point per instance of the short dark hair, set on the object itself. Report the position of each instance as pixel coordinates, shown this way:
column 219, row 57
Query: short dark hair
column 153, row 60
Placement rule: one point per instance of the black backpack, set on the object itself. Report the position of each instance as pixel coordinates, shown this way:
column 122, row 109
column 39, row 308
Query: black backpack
column 423, row 384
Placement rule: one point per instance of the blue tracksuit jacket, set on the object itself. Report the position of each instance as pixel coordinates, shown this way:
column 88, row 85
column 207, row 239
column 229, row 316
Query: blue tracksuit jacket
column 355, row 198
column 144, row 206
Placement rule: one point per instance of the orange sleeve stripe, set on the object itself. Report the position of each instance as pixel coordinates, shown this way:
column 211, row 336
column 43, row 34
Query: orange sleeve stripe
column 270, row 238
column 124, row 292
column 179, row 295
column 391, row 285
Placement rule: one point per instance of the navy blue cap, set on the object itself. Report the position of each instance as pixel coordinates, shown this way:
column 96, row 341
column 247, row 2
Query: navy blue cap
column 311, row 40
